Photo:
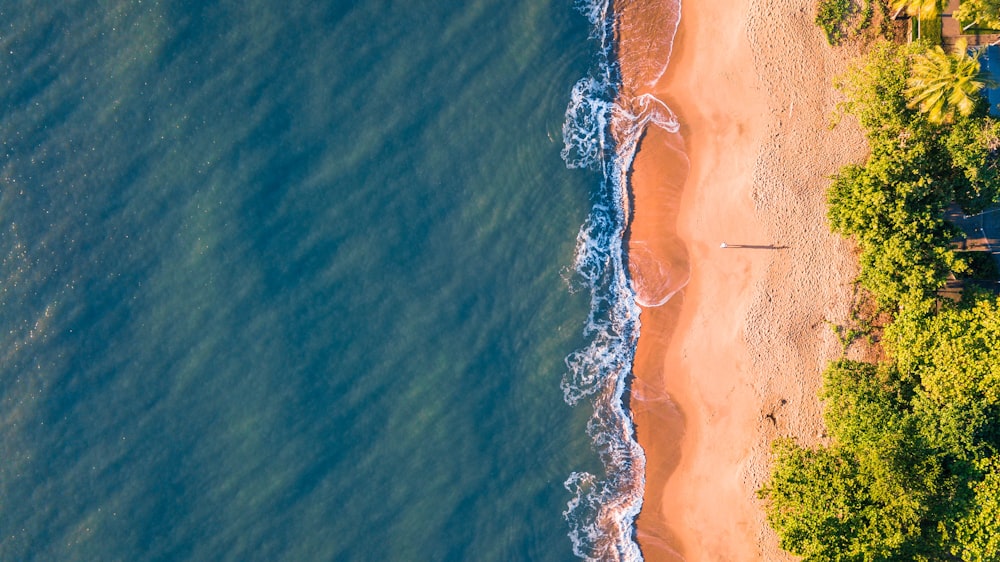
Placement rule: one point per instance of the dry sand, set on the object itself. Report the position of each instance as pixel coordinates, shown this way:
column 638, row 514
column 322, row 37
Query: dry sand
column 735, row 360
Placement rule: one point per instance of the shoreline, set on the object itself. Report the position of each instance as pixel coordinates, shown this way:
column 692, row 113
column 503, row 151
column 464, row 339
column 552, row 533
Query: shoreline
column 734, row 359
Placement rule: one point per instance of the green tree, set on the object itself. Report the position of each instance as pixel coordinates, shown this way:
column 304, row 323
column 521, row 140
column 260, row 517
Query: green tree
column 877, row 493
column 873, row 87
column 894, row 208
column 977, row 534
column 912, row 471
column 943, row 84
column 862, row 401
column 974, row 145
column 954, row 355
column 924, row 9
column 894, row 204
column 813, row 501
column 979, row 13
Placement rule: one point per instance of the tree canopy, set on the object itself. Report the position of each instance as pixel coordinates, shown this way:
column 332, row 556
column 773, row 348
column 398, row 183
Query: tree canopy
column 979, row 13
column 977, row 534
column 945, row 84
column 894, row 204
column 953, row 359
column 924, row 9
column 912, row 467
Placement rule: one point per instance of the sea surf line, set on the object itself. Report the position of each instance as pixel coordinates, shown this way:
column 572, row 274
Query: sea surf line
column 605, row 121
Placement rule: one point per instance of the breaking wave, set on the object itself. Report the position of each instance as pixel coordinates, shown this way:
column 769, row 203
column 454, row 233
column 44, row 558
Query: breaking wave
column 604, row 122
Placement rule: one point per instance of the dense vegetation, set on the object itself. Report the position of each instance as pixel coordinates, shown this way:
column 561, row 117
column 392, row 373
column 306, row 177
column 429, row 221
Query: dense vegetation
column 833, row 17
column 971, row 14
column 942, row 85
column 847, row 19
column 912, row 468
column 980, row 14
column 894, row 204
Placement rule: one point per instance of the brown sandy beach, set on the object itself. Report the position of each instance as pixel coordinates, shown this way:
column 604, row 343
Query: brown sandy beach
column 735, row 359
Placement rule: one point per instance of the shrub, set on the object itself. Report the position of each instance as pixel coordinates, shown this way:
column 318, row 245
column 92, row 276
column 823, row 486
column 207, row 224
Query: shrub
column 832, row 17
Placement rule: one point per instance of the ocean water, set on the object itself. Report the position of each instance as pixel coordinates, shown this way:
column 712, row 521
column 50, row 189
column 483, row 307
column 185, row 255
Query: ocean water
column 293, row 280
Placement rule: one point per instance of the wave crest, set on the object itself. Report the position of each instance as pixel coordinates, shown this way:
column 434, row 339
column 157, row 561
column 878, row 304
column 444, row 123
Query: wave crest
column 601, row 132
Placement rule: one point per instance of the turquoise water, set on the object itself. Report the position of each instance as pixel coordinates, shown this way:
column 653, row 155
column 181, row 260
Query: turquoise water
column 285, row 280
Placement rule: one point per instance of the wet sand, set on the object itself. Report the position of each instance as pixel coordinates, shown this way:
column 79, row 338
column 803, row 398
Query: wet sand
column 735, row 359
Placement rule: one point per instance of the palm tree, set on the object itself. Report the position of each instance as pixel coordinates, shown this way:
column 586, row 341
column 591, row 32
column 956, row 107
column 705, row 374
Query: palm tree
column 924, row 9
column 979, row 13
column 942, row 83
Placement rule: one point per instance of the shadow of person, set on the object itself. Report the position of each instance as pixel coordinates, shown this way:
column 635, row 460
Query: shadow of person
column 726, row 246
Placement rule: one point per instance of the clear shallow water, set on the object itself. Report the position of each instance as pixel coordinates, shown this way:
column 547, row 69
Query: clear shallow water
column 284, row 280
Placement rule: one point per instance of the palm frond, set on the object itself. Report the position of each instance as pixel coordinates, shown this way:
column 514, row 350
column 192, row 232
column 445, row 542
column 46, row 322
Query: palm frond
column 942, row 83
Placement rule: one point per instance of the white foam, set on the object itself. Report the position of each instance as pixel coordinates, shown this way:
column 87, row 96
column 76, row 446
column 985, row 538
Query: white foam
column 602, row 512
column 585, row 124
column 596, row 12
